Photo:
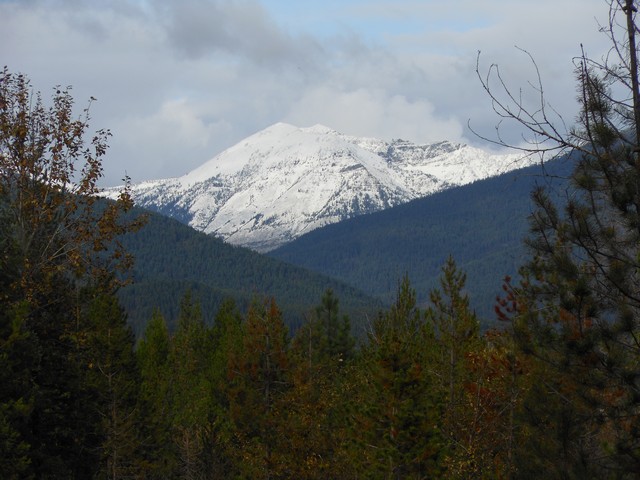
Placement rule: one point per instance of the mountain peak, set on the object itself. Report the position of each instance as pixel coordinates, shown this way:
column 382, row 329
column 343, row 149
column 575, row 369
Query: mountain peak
column 284, row 181
column 277, row 128
column 320, row 130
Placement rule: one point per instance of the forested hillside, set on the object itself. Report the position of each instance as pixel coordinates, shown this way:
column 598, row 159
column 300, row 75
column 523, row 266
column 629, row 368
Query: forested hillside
column 171, row 258
column 482, row 225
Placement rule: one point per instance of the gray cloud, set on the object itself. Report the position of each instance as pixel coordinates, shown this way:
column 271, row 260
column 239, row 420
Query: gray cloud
column 201, row 29
column 178, row 81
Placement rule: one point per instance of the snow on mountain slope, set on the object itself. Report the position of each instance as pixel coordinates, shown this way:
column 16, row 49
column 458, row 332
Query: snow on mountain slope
column 285, row 181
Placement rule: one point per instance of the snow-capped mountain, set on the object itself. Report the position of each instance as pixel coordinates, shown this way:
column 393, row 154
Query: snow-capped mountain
column 285, row 181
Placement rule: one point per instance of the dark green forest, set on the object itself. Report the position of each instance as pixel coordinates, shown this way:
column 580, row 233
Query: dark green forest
column 242, row 393
column 171, row 258
column 371, row 251
column 482, row 225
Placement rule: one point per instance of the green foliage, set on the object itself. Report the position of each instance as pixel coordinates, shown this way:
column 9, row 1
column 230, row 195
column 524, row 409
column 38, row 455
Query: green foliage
column 425, row 395
column 16, row 395
column 331, row 331
column 316, row 423
column 473, row 375
column 153, row 354
column 227, row 335
column 456, row 328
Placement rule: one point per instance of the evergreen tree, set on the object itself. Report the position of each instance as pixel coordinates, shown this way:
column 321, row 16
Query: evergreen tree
column 456, row 328
column 112, row 372
column 315, row 430
column 64, row 424
column 226, row 341
column 479, row 380
column 190, row 389
column 16, row 362
column 258, row 377
column 159, row 456
column 334, row 332
column 397, row 408
column 577, row 310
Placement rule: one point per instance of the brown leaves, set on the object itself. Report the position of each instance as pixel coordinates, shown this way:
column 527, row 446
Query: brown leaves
column 49, row 175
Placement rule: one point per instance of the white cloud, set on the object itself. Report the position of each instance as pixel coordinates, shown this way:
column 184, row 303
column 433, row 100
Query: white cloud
column 373, row 113
column 178, row 81
column 172, row 140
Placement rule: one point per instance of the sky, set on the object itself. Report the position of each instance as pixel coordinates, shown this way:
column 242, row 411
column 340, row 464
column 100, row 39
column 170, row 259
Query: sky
column 178, row 81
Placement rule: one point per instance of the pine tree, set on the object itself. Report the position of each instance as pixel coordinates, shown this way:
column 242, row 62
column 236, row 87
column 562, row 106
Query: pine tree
column 114, row 376
column 64, row 423
column 577, row 310
column 479, row 378
column 456, row 328
column 158, row 457
column 397, row 407
column 16, row 362
column 190, row 389
column 334, row 332
column 315, row 430
column 258, row 377
column 227, row 339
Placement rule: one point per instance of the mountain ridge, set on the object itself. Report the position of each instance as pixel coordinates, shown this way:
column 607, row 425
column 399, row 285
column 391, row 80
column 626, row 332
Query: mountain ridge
column 482, row 225
column 285, row 181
